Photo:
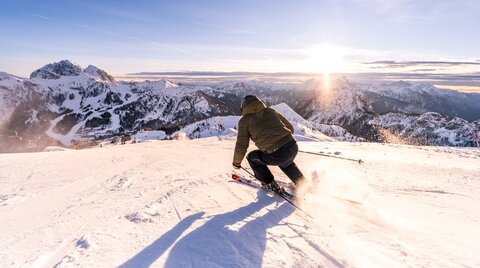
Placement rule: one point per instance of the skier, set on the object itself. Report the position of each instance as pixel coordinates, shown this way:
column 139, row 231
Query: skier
column 273, row 135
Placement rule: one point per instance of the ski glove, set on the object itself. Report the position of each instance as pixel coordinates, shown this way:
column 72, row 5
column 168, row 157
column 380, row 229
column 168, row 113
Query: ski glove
column 236, row 165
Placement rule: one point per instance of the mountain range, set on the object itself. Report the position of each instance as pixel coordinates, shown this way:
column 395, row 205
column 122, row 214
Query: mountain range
column 62, row 103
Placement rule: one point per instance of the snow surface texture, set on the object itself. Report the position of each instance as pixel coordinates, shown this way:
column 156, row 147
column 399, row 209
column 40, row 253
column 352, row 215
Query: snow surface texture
column 172, row 204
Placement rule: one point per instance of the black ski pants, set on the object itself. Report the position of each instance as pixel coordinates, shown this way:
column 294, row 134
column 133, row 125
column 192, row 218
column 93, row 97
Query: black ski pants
column 283, row 158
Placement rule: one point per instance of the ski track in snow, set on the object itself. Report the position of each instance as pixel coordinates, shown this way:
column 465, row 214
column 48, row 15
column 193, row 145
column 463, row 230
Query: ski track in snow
column 172, row 204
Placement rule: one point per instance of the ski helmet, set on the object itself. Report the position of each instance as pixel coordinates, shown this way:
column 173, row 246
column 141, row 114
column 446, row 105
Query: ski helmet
column 246, row 100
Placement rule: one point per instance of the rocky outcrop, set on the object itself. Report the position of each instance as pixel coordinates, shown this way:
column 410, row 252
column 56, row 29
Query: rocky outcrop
column 56, row 70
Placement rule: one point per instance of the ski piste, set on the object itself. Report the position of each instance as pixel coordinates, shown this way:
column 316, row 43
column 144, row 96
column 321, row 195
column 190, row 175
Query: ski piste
column 285, row 195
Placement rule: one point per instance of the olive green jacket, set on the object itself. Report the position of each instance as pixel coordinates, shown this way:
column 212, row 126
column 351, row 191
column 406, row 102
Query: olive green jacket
column 267, row 128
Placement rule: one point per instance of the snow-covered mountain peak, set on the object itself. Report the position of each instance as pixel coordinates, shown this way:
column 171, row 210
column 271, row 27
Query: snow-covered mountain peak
column 99, row 74
column 335, row 95
column 328, row 82
column 334, row 101
column 169, row 84
column 57, row 69
column 236, row 86
column 250, row 87
column 159, row 86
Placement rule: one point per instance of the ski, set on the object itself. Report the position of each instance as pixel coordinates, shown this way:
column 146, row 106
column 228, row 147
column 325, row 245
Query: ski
column 290, row 198
column 287, row 186
column 255, row 184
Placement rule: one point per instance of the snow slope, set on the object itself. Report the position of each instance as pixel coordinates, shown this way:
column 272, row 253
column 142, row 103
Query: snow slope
column 171, row 204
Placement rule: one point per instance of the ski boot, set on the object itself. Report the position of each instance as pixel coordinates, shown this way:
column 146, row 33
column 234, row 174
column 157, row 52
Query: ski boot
column 274, row 187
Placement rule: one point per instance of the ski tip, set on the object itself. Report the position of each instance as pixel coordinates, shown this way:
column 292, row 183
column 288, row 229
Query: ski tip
column 236, row 177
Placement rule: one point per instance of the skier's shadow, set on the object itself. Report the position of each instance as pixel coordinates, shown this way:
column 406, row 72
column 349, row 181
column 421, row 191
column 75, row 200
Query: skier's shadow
column 232, row 239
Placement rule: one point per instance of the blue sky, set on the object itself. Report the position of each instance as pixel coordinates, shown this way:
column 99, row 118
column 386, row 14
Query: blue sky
column 354, row 36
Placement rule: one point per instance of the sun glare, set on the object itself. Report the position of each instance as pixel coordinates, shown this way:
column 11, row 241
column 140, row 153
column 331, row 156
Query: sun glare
column 325, row 59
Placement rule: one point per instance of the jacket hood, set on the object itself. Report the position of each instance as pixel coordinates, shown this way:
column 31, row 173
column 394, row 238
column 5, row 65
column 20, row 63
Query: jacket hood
column 252, row 105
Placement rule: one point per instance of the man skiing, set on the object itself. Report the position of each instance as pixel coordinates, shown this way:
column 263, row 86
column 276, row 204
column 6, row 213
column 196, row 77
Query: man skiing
column 273, row 135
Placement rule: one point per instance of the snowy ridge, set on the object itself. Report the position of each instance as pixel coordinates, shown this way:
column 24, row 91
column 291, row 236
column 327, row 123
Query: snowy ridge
column 172, row 204
column 402, row 89
column 428, row 128
column 99, row 74
column 11, row 92
column 291, row 115
column 304, row 130
column 226, row 126
column 7, row 105
column 419, row 98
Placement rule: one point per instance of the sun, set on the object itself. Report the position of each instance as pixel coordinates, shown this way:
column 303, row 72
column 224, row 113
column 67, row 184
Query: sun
column 325, row 59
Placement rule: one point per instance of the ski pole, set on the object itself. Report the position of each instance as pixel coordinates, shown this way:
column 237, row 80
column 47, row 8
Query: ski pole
column 334, row 156
column 286, row 199
column 249, row 173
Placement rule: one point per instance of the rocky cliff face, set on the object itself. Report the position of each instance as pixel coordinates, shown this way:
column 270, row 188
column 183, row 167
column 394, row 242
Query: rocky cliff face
column 57, row 70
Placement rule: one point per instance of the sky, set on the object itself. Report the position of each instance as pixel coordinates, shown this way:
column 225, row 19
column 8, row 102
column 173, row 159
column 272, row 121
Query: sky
column 394, row 39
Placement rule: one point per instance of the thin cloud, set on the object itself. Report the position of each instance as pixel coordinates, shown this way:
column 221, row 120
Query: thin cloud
column 115, row 33
column 403, row 64
column 134, row 38
column 41, row 16
column 140, row 40
column 425, row 70
column 472, row 79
